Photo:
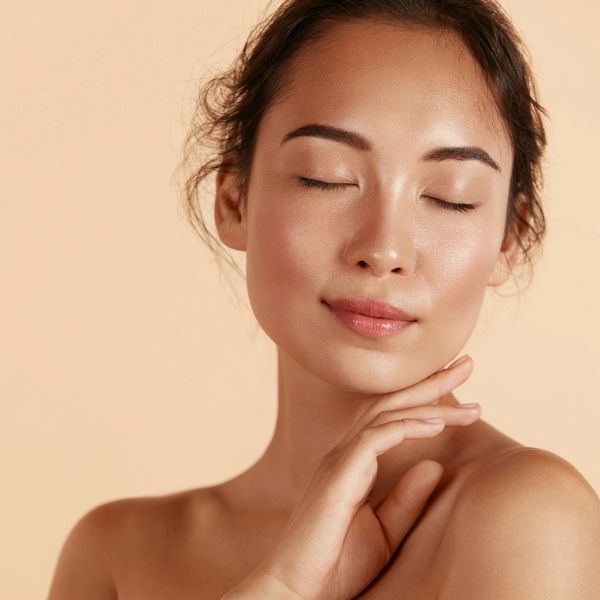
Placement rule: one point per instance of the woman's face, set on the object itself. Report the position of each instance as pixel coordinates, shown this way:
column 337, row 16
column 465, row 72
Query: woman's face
column 408, row 92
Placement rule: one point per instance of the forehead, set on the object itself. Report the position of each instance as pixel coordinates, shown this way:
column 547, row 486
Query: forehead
column 395, row 83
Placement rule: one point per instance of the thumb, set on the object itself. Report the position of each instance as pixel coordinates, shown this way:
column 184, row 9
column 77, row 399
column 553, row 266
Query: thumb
column 400, row 509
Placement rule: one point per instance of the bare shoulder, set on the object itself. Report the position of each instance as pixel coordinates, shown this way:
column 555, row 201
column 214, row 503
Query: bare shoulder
column 525, row 525
column 115, row 539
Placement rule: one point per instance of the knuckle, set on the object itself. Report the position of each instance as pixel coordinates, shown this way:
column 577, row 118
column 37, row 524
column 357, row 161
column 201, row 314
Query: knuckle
column 364, row 434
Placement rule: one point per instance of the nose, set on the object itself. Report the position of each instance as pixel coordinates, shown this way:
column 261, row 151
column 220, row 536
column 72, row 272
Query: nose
column 383, row 238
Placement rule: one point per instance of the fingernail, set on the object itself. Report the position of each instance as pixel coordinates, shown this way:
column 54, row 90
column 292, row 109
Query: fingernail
column 434, row 420
column 471, row 405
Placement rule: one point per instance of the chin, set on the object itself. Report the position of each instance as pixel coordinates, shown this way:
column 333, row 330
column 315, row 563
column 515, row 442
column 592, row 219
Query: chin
column 360, row 371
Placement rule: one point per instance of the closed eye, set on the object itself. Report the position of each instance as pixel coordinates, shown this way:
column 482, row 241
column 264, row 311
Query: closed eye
column 459, row 206
column 315, row 183
column 324, row 185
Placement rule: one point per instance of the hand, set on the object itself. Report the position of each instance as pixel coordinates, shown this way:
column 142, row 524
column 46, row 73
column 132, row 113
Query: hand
column 335, row 544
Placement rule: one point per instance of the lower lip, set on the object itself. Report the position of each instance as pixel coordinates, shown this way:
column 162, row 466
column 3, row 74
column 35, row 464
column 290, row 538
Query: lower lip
column 369, row 326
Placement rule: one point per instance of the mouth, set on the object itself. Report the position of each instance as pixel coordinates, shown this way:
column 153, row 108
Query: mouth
column 375, row 325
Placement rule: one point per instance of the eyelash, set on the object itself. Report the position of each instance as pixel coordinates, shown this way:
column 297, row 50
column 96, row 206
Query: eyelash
column 315, row 183
column 458, row 206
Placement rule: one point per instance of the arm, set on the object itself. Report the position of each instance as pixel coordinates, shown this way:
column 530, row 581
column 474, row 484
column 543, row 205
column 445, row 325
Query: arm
column 82, row 570
column 527, row 528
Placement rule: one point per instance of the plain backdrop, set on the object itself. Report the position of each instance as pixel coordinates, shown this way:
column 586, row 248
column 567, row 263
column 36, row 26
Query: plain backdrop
column 126, row 366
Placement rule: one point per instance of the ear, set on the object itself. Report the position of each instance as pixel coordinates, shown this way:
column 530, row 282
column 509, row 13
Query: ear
column 509, row 253
column 230, row 209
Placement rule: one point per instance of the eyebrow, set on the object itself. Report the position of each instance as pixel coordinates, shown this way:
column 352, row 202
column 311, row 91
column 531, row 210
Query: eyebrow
column 359, row 142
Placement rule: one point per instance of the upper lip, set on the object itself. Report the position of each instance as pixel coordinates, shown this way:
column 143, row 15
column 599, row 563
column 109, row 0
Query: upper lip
column 371, row 307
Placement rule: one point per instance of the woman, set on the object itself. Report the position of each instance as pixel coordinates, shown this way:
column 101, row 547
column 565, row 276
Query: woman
column 379, row 163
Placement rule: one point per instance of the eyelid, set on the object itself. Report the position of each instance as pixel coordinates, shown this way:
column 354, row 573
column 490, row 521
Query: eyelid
column 317, row 183
column 457, row 206
column 325, row 185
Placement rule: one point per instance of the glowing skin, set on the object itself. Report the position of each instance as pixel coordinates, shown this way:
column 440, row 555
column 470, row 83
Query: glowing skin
column 408, row 91
column 505, row 521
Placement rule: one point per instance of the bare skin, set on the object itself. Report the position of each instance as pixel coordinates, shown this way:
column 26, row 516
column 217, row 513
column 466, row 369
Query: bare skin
column 385, row 238
column 201, row 543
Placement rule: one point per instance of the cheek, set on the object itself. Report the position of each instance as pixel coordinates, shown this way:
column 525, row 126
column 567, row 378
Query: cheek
column 285, row 258
column 459, row 270
column 463, row 268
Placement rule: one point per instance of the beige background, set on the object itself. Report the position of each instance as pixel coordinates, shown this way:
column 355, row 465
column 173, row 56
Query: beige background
column 126, row 368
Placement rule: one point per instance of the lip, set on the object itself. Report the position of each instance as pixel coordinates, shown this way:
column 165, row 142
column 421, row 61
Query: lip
column 370, row 317
column 371, row 308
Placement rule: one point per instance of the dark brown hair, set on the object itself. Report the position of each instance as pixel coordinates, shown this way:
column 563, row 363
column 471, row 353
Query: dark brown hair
column 230, row 105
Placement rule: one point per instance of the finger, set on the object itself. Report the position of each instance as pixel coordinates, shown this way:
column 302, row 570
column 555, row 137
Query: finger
column 419, row 394
column 429, row 389
column 400, row 509
column 460, row 414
